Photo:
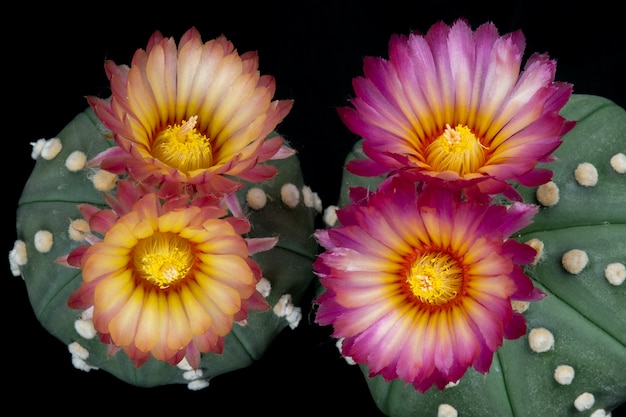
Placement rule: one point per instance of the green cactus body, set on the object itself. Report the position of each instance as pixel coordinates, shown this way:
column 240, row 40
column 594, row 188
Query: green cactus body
column 572, row 360
column 49, row 202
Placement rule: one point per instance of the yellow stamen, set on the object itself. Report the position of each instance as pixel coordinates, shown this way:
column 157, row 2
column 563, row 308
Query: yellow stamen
column 435, row 278
column 183, row 146
column 163, row 259
column 457, row 150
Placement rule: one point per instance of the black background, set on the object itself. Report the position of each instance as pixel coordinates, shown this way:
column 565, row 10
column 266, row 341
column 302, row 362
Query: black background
column 53, row 57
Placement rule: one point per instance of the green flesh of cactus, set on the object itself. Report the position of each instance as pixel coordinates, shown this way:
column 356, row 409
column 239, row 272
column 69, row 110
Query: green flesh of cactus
column 584, row 312
column 49, row 202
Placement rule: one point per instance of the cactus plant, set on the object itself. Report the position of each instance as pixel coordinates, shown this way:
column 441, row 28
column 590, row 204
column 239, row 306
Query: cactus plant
column 50, row 201
column 572, row 360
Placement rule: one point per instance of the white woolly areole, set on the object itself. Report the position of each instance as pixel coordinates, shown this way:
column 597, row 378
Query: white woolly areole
column 104, row 180
column 584, row 401
column 264, row 286
column 540, row 340
column 43, row 241
column 51, row 148
column 85, row 328
column 256, row 198
column 81, row 365
column 18, row 257
column 586, row 174
column 520, row 306
column 192, row 374
column 574, row 261
column 307, row 196
column 618, row 163
column 348, row 359
column 75, row 161
column 293, row 318
column 446, row 410
column 37, row 147
column 184, row 364
column 78, row 230
column 330, row 215
column 538, row 246
column 599, row 413
column 198, row 384
column 615, row 273
column 564, row 374
column 290, row 195
column 77, row 350
column 284, row 306
column 548, row 194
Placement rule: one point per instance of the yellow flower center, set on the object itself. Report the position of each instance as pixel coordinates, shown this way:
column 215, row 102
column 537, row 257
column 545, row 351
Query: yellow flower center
column 457, row 150
column 183, row 147
column 435, row 278
column 163, row 259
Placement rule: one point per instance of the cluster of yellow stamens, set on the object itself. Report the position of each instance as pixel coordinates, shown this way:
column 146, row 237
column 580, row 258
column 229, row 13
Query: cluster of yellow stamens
column 163, row 259
column 435, row 277
column 457, row 150
column 183, row 147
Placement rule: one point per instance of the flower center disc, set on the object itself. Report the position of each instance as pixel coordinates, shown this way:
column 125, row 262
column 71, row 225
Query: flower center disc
column 457, row 150
column 435, row 278
column 163, row 259
column 183, row 147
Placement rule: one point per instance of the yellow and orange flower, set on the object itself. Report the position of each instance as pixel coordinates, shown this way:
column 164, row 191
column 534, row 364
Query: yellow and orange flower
column 194, row 117
column 166, row 280
column 419, row 286
column 452, row 107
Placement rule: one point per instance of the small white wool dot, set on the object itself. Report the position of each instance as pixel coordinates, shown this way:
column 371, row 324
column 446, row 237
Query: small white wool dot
column 37, row 147
column 192, row 374
column 598, row 413
column 76, row 161
column 446, row 410
column 78, row 351
column 87, row 314
column 615, row 273
column 574, row 261
column 330, row 215
column 348, row 359
column 264, row 286
column 43, row 241
column 586, row 174
column 584, row 401
column 317, row 203
column 256, row 198
column 184, row 364
column 548, row 194
column 17, row 257
column 78, row 230
column 307, row 197
column 290, row 195
column 540, row 340
column 104, row 180
column 564, row 374
column 51, row 148
column 519, row 306
column 242, row 323
column 81, row 365
column 284, row 306
column 198, row 384
column 85, row 328
column 452, row 384
column 293, row 318
column 618, row 163
column 538, row 246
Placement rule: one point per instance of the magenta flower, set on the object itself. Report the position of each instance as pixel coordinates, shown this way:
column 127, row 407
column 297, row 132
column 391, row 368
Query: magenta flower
column 452, row 107
column 419, row 286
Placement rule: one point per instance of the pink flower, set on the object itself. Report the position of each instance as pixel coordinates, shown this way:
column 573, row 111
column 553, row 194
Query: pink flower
column 419, row 286
column 452, row 107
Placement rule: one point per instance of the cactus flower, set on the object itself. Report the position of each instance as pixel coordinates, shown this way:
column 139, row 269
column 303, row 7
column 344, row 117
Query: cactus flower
column 418, row 286
column 166, row 280
column 452, row 107
column 194, row 116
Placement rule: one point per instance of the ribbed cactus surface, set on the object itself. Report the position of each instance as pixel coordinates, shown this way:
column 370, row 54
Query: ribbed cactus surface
column 49, row 203
column 572, row 360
